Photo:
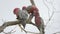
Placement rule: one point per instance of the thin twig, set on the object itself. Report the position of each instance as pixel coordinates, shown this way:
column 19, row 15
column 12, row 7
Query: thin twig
column 56, row 32
column 27, row 31
column 50, row 17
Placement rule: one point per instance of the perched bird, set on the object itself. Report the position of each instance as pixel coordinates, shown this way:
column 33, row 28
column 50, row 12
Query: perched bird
column 22, row 15
column 30, row 16
column 38, row 20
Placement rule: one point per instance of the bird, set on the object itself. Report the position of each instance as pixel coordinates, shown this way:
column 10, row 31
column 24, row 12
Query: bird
column 21, row 15
column 39, row 23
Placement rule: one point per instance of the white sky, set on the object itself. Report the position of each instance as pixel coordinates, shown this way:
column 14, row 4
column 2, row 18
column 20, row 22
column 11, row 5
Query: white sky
column 6, row 12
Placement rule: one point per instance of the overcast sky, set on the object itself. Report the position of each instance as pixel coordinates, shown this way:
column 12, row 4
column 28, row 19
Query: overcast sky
column 6, row 13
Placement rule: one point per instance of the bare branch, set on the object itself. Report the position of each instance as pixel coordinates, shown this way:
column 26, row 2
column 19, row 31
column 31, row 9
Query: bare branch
column 56, row 33
column 27, row 31
column 50, row 17
column 22, row 28
column 9, row 23
column 32, row 2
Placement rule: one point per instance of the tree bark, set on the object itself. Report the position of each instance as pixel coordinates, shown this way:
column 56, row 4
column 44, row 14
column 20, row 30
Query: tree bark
column 32, row 2
column 9, row 23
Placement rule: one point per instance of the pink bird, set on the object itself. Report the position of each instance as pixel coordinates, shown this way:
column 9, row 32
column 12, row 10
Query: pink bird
column 34, row 10
column 21, row 15
column 38, row 20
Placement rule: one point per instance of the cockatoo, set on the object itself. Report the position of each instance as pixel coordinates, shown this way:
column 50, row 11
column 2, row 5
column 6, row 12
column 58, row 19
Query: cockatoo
column 22, row 15
column 33, row 10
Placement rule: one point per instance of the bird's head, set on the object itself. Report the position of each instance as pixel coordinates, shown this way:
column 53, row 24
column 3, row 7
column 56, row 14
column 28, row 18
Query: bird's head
column 31, row 9
column 15, row 11
column 24, row 8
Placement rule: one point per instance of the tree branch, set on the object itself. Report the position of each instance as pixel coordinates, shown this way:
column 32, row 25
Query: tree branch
column 27, row 31
column 9, row 23
column 32, row 2
column 56, row 33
